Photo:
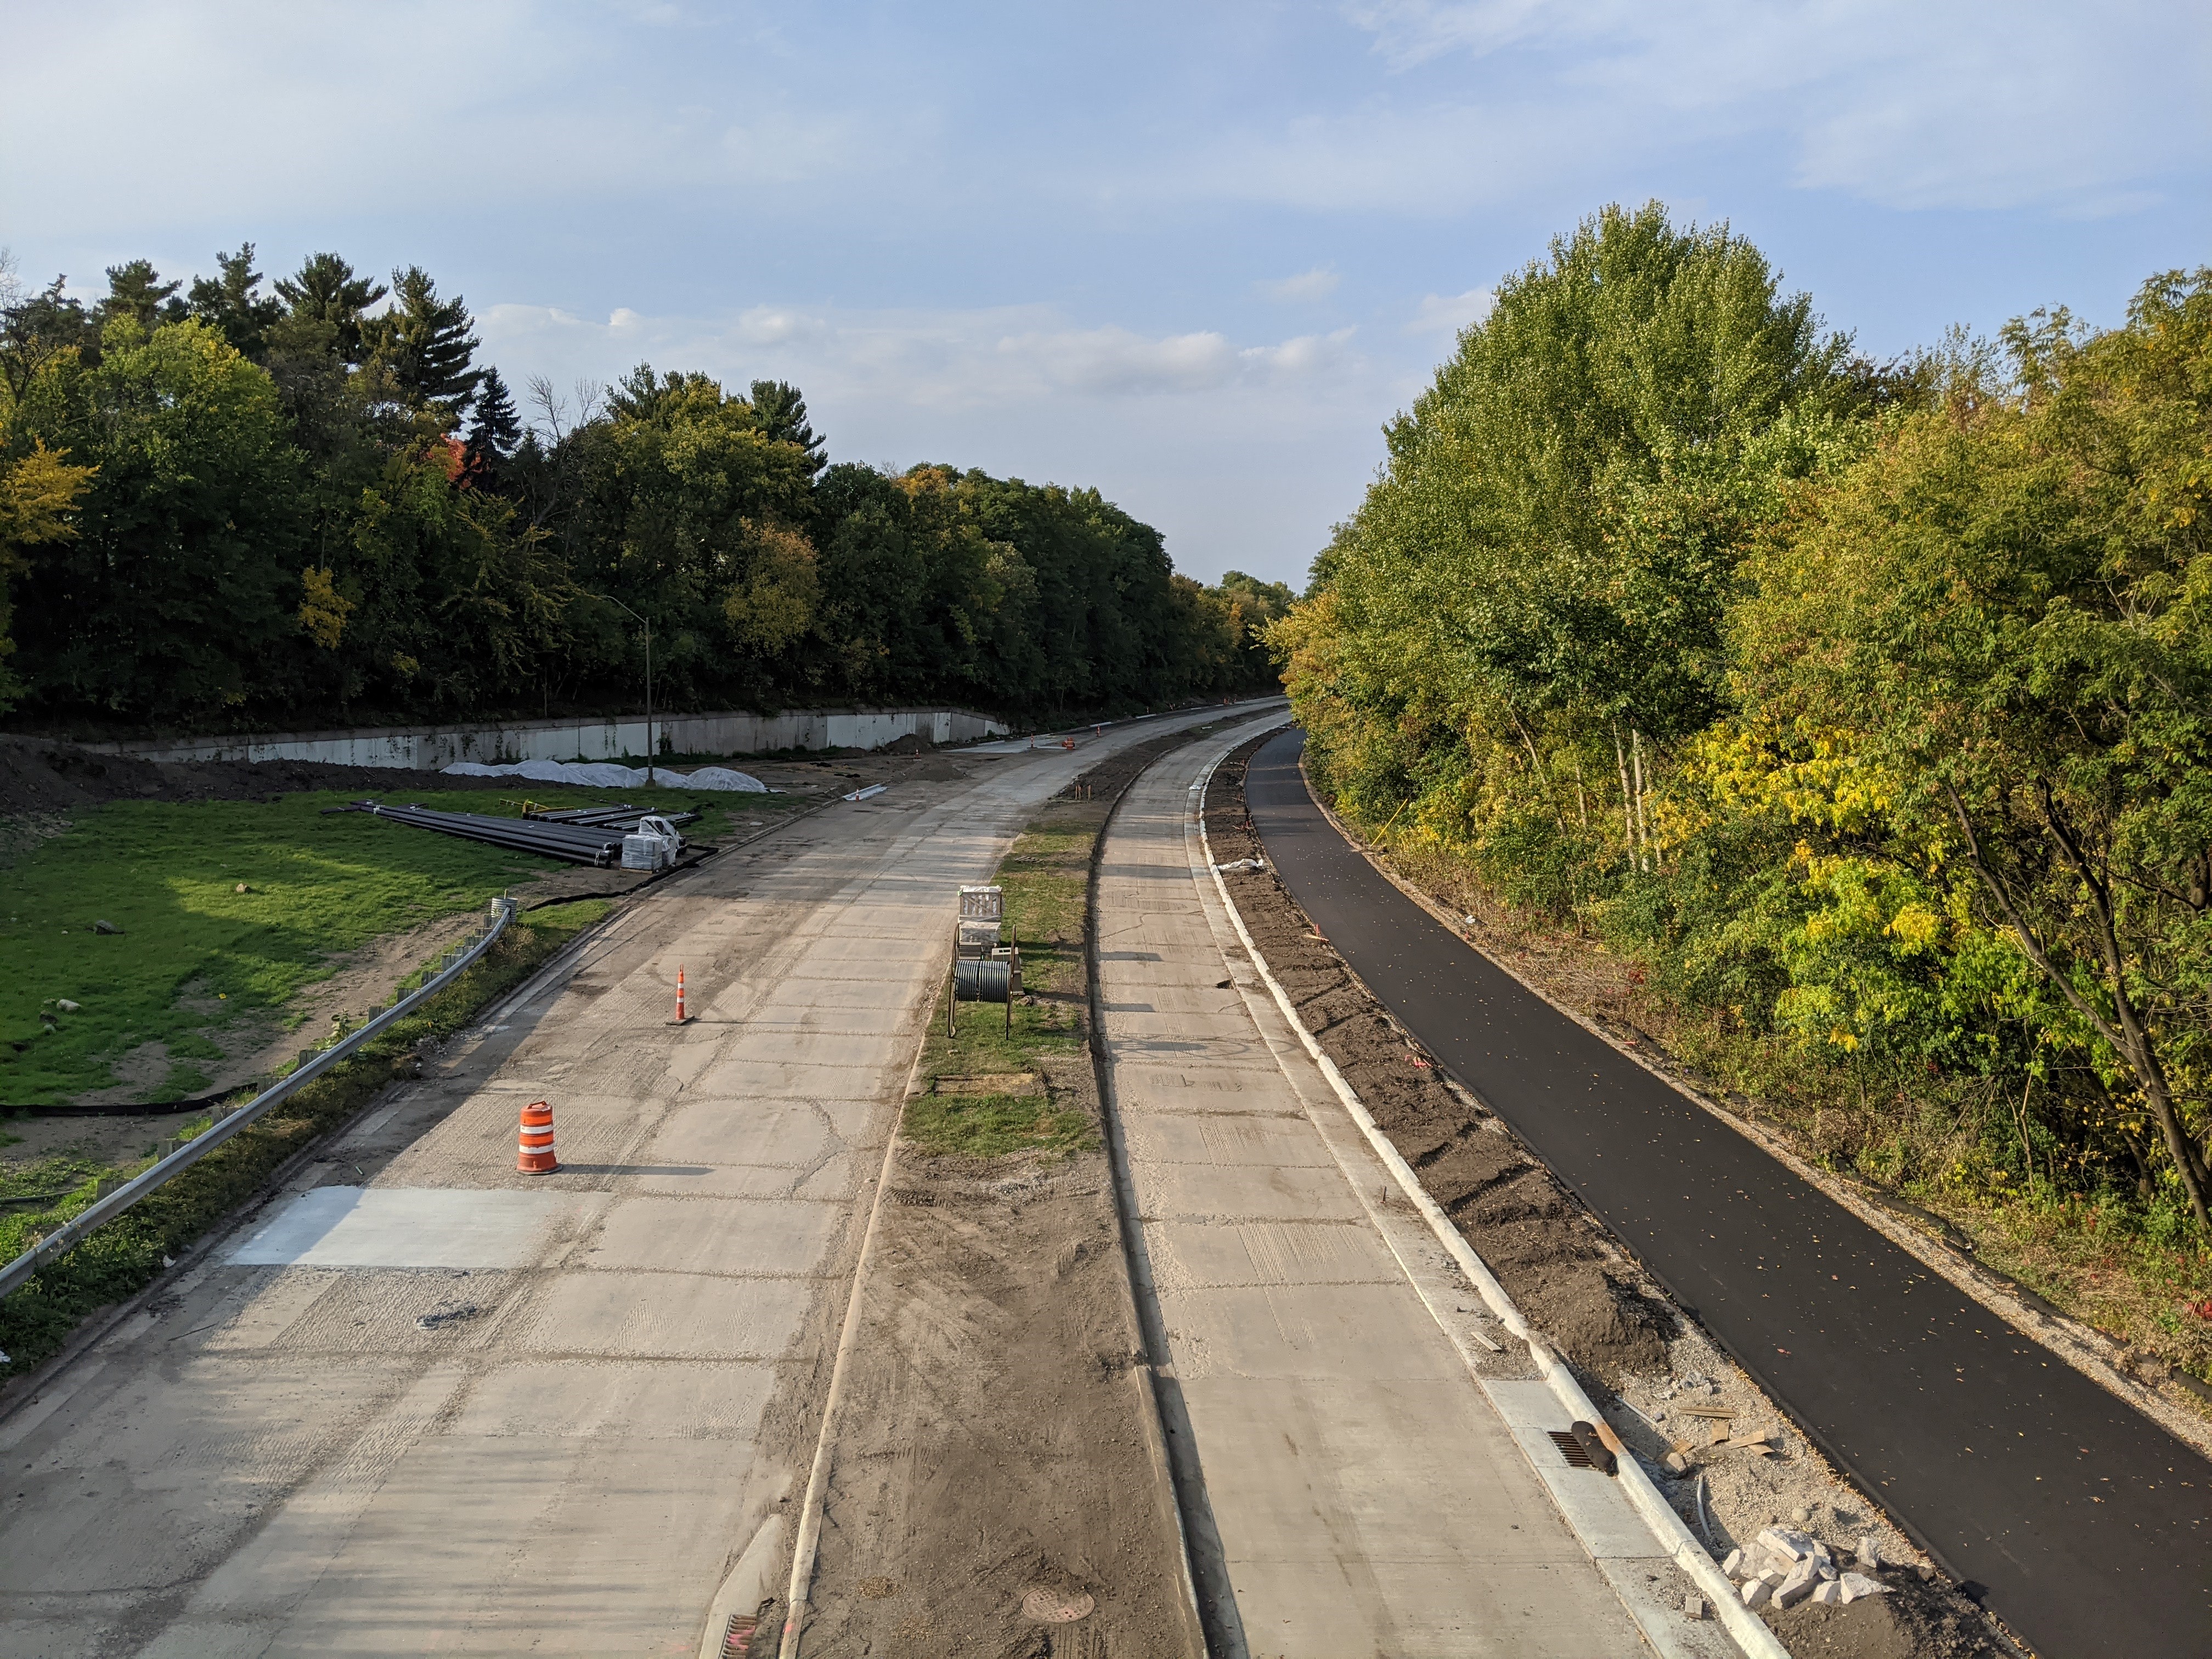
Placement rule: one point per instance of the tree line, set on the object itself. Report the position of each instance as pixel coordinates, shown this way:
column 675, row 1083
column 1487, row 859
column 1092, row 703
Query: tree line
column 235, row 503
column 1867, row 707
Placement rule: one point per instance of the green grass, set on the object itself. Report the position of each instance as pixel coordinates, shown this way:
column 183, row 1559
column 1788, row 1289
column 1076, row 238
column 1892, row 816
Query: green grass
column 1046, row 875
column 195, row 956
column 127, row 1253
column 992, row 1126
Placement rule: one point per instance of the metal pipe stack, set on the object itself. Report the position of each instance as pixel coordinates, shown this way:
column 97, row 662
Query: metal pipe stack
column 599, row 846
column 603, row 817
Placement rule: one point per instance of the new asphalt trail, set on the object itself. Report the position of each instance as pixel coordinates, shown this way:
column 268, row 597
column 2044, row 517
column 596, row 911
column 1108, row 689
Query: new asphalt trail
column 2079, row 1522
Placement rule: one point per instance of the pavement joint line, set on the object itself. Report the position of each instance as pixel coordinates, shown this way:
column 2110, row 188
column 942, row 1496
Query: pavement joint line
column 1751, row 1633
column 2083, row 1347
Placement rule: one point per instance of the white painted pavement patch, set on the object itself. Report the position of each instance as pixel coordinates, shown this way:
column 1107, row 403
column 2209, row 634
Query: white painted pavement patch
column 404, row 1227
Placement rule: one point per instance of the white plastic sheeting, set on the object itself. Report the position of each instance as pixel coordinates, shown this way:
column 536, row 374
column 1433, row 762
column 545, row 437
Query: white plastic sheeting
column 608, row 774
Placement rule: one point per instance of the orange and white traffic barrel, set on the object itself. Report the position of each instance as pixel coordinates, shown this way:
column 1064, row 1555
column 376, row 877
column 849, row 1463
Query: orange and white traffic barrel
column 534, row 1152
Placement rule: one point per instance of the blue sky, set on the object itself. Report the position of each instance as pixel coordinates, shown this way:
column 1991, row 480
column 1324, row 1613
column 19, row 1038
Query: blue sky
column 1194, row 255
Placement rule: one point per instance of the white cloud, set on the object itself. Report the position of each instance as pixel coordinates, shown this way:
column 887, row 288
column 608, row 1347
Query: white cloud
column 1243, row 452
column 1308, row 285
column 1447, row 314
column 293, row 105
column 1980, row 104
column 943, row 359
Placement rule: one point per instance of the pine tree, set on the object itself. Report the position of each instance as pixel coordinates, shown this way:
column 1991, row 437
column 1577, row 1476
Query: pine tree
column 136, row 291
column 780, row 413
column 232, row 304
column 496, row 429
column 426, row 343
column 326, row 291
column 34, row 330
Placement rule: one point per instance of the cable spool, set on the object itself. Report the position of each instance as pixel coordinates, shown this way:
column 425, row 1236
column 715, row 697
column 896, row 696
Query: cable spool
column 986, row 979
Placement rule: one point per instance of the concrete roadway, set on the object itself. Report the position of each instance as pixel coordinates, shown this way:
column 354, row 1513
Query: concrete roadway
column 2083, row 1522
column 1370, row 1495
column 617, row 1376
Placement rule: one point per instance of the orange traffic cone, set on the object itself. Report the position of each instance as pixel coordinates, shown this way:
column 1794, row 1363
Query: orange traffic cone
column 680, row 1015
column 534, row 1153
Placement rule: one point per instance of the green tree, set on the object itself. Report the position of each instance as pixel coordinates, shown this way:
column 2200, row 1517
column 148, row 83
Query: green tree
column 40, row 492
column 496, row 429
column 233, row 304
column 34, row 329
column 135, row 290
column 175, row 596
column 1529, row 602
column 2007, row 605
column 780, row 414
column 426, row 343
column 328, row 306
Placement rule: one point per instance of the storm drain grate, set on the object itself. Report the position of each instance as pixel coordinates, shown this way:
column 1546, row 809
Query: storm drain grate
column 738, row 1640
column 1571, row 1449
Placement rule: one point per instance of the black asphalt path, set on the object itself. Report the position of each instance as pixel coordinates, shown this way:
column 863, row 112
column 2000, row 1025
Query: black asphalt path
column 2077, row 1520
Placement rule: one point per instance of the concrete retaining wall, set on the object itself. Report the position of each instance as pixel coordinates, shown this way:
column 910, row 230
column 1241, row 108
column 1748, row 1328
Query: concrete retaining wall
column 429, row 749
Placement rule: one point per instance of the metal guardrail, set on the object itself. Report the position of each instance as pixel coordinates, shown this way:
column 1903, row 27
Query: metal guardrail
column 73, row 1232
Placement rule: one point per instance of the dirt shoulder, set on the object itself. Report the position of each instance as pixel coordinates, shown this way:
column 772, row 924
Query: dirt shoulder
column 1663, row 1385
column 1000, row 1488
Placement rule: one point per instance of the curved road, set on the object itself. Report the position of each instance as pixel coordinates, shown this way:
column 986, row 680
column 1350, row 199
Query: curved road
column 418, row 1403
column 1371, row 1483
column 2081, row 1522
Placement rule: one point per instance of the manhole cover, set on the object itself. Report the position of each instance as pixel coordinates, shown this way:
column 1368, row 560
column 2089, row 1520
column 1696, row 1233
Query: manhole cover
column 1055, row 1606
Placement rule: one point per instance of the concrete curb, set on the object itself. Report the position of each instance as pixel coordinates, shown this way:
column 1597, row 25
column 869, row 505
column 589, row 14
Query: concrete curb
column 1750, row 1632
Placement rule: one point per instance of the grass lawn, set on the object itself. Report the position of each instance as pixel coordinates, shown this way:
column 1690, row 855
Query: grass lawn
column 1046, row 875
column 127, row 1252
column 196, row 955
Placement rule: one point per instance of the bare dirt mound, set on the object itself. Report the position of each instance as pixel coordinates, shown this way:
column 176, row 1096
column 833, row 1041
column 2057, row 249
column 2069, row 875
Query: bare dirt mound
column 43, row 775
column 995, row 1447
column 1909, row 1623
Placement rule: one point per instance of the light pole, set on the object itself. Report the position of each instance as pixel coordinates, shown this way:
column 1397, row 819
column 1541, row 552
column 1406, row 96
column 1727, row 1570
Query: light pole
column 619, row 605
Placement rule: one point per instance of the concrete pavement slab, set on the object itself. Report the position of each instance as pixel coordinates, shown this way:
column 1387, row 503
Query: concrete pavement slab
column 1301, row 1190
column 786, row 1132
column 1277, row 1139
column 1367, row 1495
column 665, row 1315
column 653, row 1399
column 771, row 1237
column 1212, row 1256
column 403, row 1227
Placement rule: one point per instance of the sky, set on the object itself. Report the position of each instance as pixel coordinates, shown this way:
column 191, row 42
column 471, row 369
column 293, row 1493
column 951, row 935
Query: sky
column 1193, row 255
